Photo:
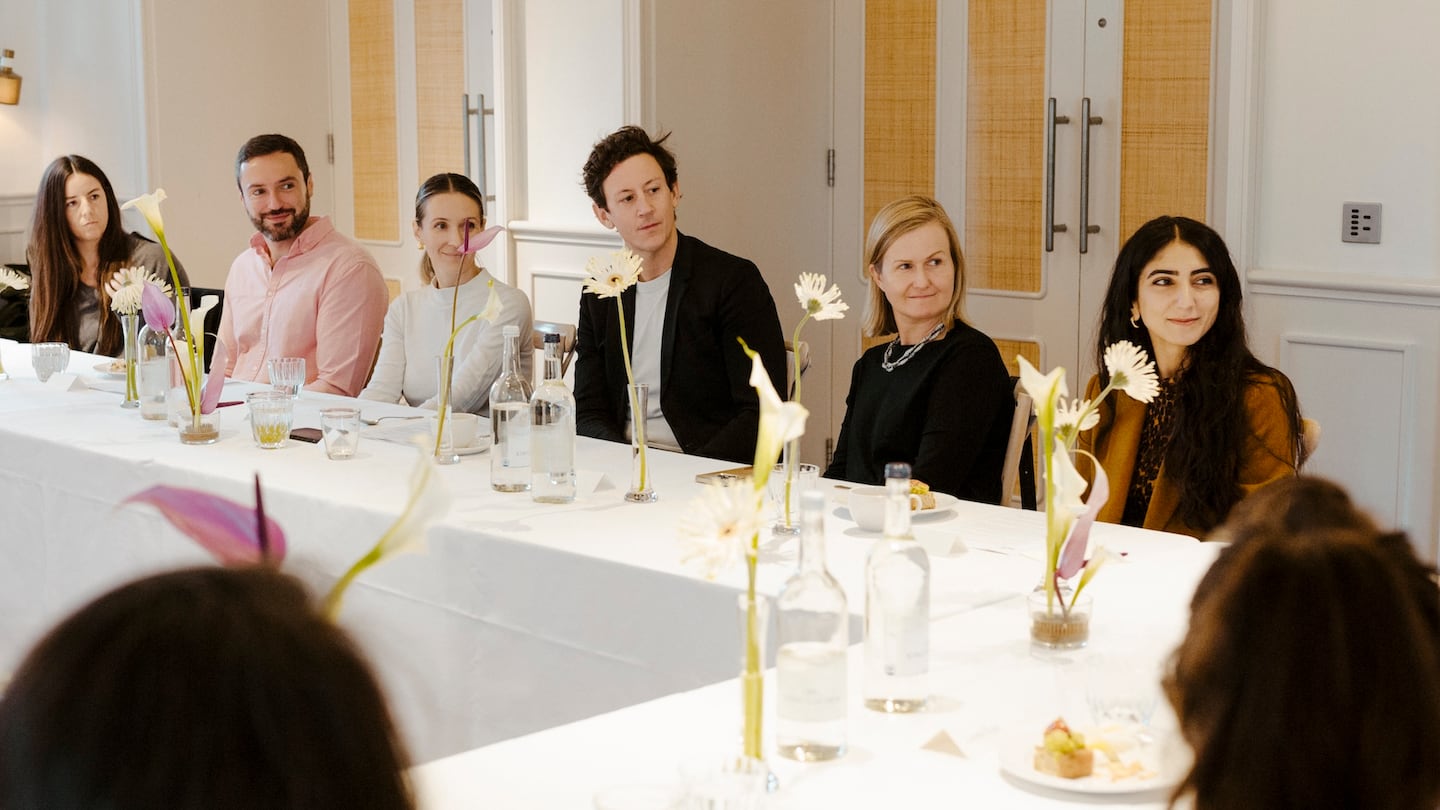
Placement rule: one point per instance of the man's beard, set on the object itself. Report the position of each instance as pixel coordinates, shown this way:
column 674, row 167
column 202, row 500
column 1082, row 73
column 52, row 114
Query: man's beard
column 282, row 233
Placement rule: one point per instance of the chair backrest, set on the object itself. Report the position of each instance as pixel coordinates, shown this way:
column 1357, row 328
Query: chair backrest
column 1309, row 438
column 1019, row 458
column 802, row 349
column 211, row 327
column 566, row 331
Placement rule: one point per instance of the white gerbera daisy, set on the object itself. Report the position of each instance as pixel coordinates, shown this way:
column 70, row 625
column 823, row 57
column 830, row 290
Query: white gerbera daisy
column 13, row 280
column 1075, row 416
column 818, row 302
column 126, row 287
column 719, row 526
column 1131, row 370
column 609, row 279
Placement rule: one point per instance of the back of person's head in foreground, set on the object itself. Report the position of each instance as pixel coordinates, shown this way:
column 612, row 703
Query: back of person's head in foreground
column 1310, row 675
column 206, row 688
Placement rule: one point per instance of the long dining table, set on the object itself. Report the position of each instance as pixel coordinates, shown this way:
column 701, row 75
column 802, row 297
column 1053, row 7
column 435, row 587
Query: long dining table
column 535, row 654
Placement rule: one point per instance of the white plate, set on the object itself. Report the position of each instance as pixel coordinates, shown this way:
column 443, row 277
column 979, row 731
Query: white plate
column 1166, row 758
column 944, row 504
column 480, row 446
column 104, row 368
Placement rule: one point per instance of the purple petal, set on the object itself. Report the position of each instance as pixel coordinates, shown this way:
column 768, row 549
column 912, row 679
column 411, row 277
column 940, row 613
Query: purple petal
column 210, row 397
column 1072, row 559
column 222, row 527
column 481, row 240
column 157, row 307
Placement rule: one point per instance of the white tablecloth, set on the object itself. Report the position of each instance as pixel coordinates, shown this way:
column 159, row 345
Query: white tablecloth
column 990, row 690
column 519, row 617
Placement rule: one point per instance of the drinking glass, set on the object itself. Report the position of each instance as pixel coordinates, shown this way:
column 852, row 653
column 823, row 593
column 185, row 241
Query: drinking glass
column 49, row 358
column 807, row 476
column 287, row 375
column 341, row 429
column 270, row 416
column 1121, row 690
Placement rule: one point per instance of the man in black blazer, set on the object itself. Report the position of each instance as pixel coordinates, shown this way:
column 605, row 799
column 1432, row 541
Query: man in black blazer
column 682, row 318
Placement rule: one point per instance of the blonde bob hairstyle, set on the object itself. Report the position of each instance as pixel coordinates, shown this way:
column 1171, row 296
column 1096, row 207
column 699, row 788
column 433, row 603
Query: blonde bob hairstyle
column 892, row 222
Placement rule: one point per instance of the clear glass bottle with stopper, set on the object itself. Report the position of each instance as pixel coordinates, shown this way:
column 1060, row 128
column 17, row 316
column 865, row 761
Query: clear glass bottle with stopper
column 552, row 433
column 811, row 663
column 510, row 420
column 897, row 608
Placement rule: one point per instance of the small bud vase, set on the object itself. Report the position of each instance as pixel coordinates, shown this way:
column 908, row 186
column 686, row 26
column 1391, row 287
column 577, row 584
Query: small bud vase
column 1059, row 621
column 130, row 328
column 640, row 489
column 444, row 435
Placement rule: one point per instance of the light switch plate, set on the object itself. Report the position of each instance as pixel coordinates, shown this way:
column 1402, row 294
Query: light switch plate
column 1360, row 222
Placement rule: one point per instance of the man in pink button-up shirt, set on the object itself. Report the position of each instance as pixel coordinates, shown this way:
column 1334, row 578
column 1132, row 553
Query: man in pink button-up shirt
column 302, row 289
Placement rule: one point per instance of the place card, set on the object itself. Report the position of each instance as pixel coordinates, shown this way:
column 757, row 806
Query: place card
column 943, row 743
column 587, row 481
column 65, row 382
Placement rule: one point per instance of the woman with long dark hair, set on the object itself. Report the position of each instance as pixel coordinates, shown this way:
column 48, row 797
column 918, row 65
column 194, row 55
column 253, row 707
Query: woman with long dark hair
column 77, row 243
column 1223, row 424
column 418, row 323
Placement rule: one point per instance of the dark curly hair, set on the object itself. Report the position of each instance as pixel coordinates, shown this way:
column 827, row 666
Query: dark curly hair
column 1212, row 428
column 618, row 147
column 1310, row 673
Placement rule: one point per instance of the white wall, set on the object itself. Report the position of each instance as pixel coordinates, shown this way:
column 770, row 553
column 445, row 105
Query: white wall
column 1347, row 111
column 1350, row 112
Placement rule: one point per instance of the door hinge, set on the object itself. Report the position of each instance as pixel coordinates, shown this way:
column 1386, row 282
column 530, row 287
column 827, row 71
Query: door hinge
column 830, row 168
column 330, row 147
column 829, row 452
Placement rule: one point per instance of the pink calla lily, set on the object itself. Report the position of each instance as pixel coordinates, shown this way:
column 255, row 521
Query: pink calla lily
column 229, row 531
column 216, row 381
column 1072, row 559
column 480, row 241
column 158, row 309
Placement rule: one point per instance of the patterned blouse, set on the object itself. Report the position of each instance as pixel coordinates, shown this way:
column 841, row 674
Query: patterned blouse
column 1154, row 441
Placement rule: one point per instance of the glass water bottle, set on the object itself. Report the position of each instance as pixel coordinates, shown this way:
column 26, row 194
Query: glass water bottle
column 811, row 664
column 552, row 433
column 510, row 421
column 897, row 607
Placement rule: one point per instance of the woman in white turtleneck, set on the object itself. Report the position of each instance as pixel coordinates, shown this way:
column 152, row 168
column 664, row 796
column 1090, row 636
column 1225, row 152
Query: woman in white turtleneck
column 417, row 324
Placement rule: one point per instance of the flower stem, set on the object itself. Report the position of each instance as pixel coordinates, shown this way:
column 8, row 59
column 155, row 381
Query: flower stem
column 192, row 383
column 795, row 349
column 753, row 679
column 630, row 376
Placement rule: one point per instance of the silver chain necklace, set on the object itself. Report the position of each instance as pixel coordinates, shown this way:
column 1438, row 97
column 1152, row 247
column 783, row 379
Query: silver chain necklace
column 891, row 365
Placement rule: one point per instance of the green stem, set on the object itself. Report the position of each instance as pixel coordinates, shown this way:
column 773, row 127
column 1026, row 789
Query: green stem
column 332, row 599
column 795, row 349
column 753, row 679
column 630, row 376
column 192, row 383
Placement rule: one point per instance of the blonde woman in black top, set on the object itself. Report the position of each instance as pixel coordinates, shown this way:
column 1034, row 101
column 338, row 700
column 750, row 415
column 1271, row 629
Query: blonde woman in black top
column 937, row 396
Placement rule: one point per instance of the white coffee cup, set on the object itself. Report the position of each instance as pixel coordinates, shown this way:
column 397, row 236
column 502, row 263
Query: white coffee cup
column 465, row 429
column 867, row 507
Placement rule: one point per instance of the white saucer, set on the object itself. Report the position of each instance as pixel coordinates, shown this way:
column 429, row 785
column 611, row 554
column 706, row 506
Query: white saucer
column 480, row 446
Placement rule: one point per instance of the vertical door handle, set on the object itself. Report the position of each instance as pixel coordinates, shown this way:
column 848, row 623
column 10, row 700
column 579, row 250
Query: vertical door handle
column 1085, row 227
column 478, row 112
column 1051, row 121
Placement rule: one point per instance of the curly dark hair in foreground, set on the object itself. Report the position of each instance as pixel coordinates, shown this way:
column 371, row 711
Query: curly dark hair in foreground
column 1211, row 427
column 618, row 147
column 1310, row 675
column 200, row 689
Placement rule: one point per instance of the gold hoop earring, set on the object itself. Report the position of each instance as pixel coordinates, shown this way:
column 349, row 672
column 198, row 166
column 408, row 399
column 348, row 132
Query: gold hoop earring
column 420, row 246
column 1134, row 320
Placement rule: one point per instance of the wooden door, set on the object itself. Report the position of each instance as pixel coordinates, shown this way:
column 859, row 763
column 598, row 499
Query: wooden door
column 1142, row 71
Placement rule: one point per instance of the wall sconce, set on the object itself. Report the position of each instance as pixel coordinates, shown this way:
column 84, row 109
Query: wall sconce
column 9, row 79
